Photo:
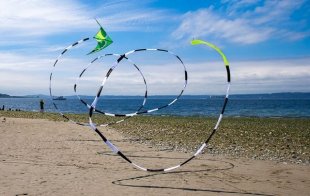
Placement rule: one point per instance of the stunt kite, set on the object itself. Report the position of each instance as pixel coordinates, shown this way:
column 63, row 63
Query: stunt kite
column 103, row 40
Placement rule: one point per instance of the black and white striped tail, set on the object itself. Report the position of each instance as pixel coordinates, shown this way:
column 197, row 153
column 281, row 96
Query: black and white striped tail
column 92, row 107
column 103, row 112
column 117, row 151
column 51, row 76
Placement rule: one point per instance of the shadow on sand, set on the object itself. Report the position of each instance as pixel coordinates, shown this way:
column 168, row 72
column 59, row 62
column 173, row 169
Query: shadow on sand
column 129, row 182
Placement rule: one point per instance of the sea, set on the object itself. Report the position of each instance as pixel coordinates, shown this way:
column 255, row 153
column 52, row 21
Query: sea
column 277, row 105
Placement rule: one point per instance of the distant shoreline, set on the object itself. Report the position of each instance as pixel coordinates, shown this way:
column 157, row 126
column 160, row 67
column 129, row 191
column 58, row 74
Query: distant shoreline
column 303, row 95
column 10, row 96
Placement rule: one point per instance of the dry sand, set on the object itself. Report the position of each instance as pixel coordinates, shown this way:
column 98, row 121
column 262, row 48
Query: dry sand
column 41, row 157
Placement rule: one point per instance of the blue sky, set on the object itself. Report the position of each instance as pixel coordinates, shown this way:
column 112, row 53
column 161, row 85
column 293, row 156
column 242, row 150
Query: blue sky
column 267, row 43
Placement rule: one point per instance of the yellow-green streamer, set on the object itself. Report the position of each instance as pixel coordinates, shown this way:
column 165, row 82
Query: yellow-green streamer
column 197, row 41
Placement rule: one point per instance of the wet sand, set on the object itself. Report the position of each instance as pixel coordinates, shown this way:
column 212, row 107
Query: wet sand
column 42, row 157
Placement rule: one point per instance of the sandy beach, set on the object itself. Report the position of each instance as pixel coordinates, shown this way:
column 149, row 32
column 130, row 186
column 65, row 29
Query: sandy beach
column 43, row 157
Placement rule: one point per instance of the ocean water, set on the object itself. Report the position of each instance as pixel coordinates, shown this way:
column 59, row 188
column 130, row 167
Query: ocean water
column 188, row 106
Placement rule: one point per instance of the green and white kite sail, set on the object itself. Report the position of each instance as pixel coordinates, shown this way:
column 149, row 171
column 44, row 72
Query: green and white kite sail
column 103, row 40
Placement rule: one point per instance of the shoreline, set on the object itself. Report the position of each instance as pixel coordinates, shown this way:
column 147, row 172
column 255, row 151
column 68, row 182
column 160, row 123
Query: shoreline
column 278, row 139
column 156, row 115
column 290, row 107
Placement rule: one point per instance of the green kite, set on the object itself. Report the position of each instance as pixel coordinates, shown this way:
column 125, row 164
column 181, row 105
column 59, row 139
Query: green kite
column 103, row 40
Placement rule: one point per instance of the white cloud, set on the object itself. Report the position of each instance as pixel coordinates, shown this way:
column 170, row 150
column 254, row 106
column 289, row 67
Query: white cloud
column 271, row 75
column 244, row 22
column 20, row 75
column 27, row 26
column 18, row 62
column 274, row 11
column 206, row 22
column 34, row 17
column 25, row 74
column 25, row 22
column 131, row 20
column 41, row 18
